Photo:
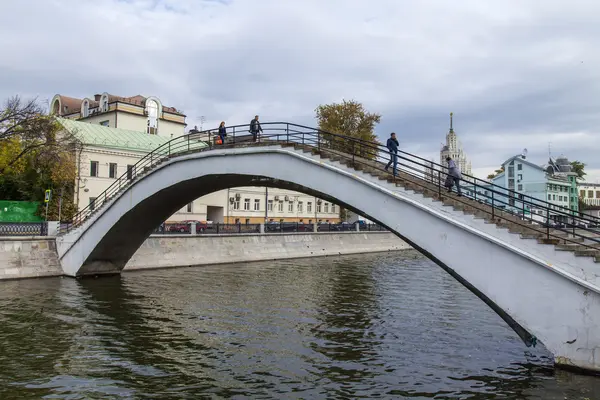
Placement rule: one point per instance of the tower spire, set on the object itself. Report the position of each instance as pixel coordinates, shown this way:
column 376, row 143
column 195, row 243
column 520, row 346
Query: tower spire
column 451, row 129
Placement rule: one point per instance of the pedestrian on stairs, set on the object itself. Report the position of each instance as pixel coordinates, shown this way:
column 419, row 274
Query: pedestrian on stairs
column 392, row 145
column 454, row 174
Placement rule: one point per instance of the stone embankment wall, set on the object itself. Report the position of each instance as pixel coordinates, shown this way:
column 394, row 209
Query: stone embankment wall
column 28, row 257
column 168, row 251
column 33, row 257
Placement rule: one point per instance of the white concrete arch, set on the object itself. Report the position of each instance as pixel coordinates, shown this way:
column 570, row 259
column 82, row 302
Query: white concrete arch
column 559, row 302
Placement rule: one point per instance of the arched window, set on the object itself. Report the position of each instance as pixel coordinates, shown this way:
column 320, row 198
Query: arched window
column 85, row 108
column 152, row 112
column 104, row 103
column 56, row 107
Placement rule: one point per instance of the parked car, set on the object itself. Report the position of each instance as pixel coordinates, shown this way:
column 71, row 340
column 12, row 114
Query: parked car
column 185, row 226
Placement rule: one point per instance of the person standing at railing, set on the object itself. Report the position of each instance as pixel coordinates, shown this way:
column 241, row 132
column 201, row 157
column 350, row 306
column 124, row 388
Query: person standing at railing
column 392, row 145
column 255, row 128
column 454, row 172
column 222, row 132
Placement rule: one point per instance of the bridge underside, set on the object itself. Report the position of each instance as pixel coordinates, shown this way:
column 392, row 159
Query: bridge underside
column 507, row 272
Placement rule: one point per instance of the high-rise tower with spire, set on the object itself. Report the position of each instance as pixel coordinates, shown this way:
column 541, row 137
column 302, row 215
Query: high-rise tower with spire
column 453, row 148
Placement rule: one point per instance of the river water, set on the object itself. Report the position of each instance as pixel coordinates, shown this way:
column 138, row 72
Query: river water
column 369, row 326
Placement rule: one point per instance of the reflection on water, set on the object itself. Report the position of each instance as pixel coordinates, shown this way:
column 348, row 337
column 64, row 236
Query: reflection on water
column 387, row 326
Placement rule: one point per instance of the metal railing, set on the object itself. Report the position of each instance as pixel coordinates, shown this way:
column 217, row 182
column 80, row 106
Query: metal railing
column 536, row 215
column 23, row 229
column 272, row 227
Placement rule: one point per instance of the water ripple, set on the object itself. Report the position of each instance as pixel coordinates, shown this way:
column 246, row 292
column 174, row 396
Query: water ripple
column 369, row 326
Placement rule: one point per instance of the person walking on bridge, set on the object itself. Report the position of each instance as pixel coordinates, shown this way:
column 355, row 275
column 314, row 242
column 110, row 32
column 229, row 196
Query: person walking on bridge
column 454, row 174
column 255, row 128
column 222, row 132
column 392, row 145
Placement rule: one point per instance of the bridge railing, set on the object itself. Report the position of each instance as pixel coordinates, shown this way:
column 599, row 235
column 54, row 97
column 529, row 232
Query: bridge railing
column 361, row 154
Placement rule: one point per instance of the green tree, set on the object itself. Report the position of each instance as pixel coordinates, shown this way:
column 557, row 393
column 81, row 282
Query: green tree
column 36, row 154
column 348, row 119
column 579, row 168
column 496, row 173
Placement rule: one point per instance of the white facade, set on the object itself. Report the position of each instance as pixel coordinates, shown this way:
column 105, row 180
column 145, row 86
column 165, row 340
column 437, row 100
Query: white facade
column 589, row 193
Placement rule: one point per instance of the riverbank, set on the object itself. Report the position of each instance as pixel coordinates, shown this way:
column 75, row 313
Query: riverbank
column 35, row 256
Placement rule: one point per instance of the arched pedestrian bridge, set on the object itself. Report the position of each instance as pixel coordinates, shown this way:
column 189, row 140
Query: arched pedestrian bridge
column 543, row 281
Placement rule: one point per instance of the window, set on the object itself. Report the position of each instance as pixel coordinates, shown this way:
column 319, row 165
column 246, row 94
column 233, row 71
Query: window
column 190, row 207
column 256, row 205
column 520, row 187
column 301, row 204
column 94, row 168
column 318, row 207
column 590, row 193
column 291, row 207
column 326, row 207
column 511, row 172
column 152, row 112
column 105, row 123
column 247, row 221
column 553, row 197
column 237, row 220
column 280, row 206
column 130, row 172
column 582, row 193
column 333, row 208
column 92, row 203
column 112, row 170
column 549, row 197
column 519, row 167
column 598, row 194
column 520, row 177
column 236, row 204
column 270, row 205
column 104, row 103
column 247, row 204
column 309, row 207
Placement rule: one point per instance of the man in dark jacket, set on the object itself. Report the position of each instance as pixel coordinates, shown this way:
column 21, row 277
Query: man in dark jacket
column 392, row 145
column 255, row 127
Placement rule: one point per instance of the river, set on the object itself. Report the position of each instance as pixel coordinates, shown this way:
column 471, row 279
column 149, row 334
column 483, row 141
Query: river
column 370, row 326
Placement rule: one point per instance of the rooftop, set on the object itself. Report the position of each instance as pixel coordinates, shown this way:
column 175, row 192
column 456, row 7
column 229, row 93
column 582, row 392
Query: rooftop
column 93, row 134
column 73, row 105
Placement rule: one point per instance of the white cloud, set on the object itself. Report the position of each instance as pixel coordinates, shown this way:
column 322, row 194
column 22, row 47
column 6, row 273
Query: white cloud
column 517, row 73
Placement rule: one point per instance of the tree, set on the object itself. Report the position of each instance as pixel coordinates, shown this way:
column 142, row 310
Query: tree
column 25, row 125
column 344, row 214
column 578, row 167
column 496, row 173
column 36, row 154
column 352, row 120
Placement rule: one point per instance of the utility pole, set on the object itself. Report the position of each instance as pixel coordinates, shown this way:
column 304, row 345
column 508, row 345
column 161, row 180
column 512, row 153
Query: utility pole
column 202, row 120
column 60, row 197
column 266, row 204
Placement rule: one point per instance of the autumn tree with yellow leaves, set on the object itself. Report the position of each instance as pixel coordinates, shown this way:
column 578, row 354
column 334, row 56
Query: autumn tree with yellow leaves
column 36, row 154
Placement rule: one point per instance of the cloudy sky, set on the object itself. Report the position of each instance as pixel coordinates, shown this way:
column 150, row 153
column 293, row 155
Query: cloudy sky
column 516, row 73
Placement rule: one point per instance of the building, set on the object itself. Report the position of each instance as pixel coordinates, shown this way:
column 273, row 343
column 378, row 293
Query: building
column 116, row 132
column 136, row 113
column 589, row 193
column 554, row 183
column 453, row 149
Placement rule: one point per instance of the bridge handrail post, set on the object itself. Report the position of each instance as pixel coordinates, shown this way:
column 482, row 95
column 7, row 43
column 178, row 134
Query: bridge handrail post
column 493, row 207
column 547, row 223
column 188, row 140
column 287, row 130
column 439, row 184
